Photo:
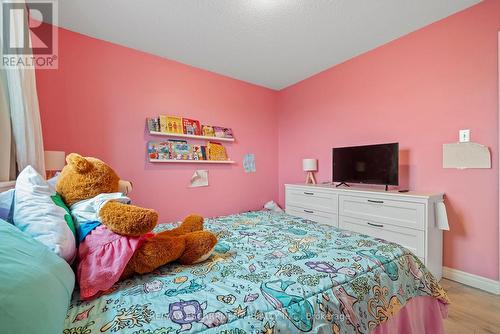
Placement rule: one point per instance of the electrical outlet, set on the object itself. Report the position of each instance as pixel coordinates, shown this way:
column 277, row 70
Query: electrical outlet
column 464, row 136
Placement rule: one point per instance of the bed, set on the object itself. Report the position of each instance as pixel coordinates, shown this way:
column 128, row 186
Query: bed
column 272, row 273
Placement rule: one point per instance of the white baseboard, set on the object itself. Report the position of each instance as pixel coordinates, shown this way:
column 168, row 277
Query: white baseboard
column 474, row 281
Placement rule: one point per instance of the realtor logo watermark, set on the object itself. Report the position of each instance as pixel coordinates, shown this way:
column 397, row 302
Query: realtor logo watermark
column 29, row 34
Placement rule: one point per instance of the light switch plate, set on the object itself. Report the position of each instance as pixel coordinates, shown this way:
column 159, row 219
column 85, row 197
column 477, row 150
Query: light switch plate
column 464, row 136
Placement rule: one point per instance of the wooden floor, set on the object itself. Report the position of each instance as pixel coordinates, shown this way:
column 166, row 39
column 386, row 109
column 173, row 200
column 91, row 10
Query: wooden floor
column 471, row 311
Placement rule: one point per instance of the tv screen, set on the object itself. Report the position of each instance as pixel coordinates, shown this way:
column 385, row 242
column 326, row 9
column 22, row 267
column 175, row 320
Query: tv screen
column 371, row 164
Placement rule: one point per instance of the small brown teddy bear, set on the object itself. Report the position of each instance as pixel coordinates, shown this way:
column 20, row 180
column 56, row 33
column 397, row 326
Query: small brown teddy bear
column 115, row 238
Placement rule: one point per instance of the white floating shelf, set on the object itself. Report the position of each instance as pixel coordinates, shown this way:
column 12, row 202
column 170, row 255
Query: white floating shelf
column 194, row 161
column 181, row 135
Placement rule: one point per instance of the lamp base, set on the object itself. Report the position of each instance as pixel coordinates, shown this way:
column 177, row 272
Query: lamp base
column 310, row 179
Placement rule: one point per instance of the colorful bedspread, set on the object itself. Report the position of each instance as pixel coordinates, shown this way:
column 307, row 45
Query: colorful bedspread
column 271, row 273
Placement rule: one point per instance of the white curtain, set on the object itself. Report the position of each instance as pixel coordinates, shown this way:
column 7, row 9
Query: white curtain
column 5, row 131
column 19, row 87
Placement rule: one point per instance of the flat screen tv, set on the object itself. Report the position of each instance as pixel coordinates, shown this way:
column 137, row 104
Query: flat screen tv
column 370, row 164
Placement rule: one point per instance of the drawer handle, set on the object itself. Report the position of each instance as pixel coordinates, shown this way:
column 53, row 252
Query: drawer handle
column 375, row 225
column 373, row 201
column 308, row 211
column 308, row 193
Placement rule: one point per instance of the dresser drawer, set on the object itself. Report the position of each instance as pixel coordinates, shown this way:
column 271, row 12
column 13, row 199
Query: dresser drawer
column 314, row 215
column 389, row 212
column 410, row 238
column 310, row 198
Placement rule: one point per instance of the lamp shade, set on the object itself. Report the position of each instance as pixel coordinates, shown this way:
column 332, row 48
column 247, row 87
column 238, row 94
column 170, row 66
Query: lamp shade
column 55, row 160
column 310, row 165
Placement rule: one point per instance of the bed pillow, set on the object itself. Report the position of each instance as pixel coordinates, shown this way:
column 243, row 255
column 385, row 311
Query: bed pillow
column 36, row 285
column 53, row 181
column 40, row 212
column 6, row 203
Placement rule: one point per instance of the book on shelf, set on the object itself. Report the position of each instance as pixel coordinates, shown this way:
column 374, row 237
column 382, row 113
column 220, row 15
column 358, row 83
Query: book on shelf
column 159, row 150
column 207, row 131
column 198, row 152
column 170, row 124
column 163, row 123
column 204, row 152
column 191, row 127
column 176, row 150
column 153, row 124
column 174, row 124
column 180, row 150
column 222, row 132
column 187, row 126
column 216, row 151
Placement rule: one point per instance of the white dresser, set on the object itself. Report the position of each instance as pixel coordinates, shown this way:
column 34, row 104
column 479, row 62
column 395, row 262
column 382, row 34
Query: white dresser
column 408, row 219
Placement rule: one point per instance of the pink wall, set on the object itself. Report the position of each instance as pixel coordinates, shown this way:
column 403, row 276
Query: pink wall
column 97, row 102
column 418, row 90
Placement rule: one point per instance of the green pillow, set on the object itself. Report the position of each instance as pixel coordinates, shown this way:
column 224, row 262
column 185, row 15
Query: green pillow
column 36, row 284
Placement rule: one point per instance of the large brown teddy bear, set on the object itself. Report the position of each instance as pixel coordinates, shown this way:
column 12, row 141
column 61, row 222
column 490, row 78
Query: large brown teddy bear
column 115, row 238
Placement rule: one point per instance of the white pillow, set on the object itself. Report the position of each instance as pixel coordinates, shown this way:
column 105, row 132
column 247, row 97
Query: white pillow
column 36, row 213
column 6, row 198
column 52, row 181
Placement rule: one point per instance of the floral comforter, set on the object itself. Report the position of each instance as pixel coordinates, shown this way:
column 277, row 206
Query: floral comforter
column 270, row 273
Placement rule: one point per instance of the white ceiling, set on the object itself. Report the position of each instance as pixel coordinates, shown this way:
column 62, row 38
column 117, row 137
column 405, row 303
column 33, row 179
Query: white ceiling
column 272, row 43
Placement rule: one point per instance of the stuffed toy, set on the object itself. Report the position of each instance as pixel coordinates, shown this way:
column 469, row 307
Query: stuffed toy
column 115, row 237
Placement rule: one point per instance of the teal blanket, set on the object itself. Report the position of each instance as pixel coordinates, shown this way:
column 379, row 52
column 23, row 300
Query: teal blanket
column 270, row 273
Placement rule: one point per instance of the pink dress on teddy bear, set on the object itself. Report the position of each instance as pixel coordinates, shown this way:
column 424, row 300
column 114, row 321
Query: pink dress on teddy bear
column 102, row 254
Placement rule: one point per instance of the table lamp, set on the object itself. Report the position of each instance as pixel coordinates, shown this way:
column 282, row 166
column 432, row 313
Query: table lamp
column 54, row 162
column 310, row 166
